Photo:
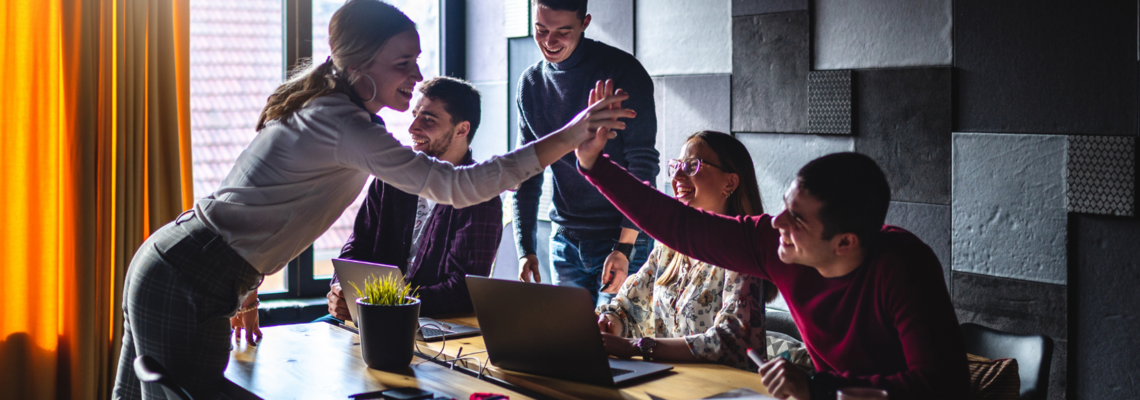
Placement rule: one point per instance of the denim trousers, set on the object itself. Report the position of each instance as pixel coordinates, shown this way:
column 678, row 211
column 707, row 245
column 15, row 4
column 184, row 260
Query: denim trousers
column 579, row 263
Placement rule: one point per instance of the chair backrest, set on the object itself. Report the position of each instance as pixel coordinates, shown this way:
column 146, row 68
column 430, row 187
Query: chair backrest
column 150, row 371
column 1034, row 354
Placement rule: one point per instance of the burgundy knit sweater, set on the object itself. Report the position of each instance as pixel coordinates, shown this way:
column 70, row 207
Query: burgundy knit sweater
column 889, row 324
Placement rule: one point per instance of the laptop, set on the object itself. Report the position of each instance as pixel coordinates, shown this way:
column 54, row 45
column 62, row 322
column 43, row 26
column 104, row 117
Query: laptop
column 548, row 330
column 354, row 271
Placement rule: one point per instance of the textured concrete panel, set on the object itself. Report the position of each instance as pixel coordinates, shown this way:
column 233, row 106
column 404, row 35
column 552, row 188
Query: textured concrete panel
column 687, row 104
column 684, row 37
column 1045, row 67
column 1101, row 175
column 1009, row 206
column 902, row 119
column 493, row 134
column 611, row 22
column 523, row 53
column 851, row 34
column 1108, row 309
column 486, row 41
column 769, row 73
column 829, row 102
column 931, row 223
column 778, row 157
column 1021, row 307
column 741, row 8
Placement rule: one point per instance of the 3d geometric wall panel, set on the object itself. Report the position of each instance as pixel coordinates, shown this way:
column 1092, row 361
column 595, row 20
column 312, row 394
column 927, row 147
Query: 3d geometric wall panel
column 770, row 64
column 753, row 7
column 857, row 34
column 686, row 104
column 677, row 37
column 1107, row 307
column 1047, row 66
column 611, row 22
column 902, row 120
column 1008, row 206
column 777, row 158
column 829, row 102
column 930, row 222
column 1101, row 173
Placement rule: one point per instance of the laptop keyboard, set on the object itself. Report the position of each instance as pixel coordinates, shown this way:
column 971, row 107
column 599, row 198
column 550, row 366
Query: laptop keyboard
column 432, row 332
column 616, row 372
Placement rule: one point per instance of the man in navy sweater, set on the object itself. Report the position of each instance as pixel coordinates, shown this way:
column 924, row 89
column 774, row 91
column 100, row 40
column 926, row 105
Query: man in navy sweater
column 593, row 245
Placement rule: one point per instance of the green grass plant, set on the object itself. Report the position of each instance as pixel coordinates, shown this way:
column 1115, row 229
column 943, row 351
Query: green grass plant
column 387, row 291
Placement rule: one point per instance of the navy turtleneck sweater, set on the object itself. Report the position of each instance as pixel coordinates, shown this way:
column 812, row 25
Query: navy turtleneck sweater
column 549, row 96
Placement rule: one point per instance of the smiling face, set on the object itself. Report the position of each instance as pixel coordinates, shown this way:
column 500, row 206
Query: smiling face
column 801, row 231
column 434, row 134
column 706, row 189
column 395, row 72
column 557, row 33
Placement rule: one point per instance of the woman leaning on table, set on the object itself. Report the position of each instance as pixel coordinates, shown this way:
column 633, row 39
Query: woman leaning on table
column 692, row 310
column 318, row 140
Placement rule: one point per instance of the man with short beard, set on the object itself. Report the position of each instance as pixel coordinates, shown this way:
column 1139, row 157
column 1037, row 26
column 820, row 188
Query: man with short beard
column 434, row 245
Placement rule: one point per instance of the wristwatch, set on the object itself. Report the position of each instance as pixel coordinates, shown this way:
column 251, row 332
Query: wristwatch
column 646, row 345
column 625, row 248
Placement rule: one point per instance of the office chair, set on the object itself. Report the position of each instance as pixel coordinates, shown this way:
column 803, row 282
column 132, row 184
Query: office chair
column 1034, row 354
column 150, row 371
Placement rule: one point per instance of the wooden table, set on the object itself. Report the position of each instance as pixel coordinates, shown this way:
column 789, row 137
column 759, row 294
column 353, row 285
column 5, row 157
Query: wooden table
column 313, row 361
column 686, row 380
column 322, row 361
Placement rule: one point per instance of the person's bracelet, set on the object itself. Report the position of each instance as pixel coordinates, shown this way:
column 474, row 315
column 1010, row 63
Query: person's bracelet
column 253, row 307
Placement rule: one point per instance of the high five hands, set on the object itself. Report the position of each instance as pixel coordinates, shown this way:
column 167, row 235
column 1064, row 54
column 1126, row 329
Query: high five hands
column 603, row 97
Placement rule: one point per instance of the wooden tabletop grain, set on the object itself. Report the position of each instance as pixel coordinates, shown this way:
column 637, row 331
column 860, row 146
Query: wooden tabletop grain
column 322, row 361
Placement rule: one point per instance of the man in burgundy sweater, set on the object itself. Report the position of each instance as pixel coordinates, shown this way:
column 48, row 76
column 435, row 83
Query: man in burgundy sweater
column 869, row 299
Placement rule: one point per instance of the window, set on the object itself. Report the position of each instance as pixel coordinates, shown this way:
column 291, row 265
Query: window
column 237, row 58
column 235, row 64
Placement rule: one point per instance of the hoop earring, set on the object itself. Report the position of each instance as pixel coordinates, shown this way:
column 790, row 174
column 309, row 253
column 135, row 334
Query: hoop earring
column 373, row 87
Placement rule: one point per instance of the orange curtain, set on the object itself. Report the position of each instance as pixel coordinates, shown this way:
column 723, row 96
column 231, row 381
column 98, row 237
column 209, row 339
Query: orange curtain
column 94, row 150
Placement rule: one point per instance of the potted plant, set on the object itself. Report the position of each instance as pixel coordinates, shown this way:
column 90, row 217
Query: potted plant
column 388, row 313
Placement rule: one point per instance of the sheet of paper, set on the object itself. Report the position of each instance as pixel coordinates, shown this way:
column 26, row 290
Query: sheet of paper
column 741, row 394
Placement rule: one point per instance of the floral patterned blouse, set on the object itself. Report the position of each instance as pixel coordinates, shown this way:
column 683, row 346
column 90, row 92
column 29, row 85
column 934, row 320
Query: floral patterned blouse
column 720, row 313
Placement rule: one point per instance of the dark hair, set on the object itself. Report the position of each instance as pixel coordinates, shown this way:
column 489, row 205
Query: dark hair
column 563, row 5
column 854, row 193
column 357, row 31
column 459, row 97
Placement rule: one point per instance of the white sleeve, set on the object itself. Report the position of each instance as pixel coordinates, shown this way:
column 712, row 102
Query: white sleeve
column 369, row 147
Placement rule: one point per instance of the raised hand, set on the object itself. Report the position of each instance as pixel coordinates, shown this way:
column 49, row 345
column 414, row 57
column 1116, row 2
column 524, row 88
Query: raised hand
column 591, row 149
column 585, row 126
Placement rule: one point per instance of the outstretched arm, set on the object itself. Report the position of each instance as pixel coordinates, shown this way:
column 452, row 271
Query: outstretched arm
column 370, row 148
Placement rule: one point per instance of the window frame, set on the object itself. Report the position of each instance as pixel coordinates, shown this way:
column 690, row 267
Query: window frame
column 298, row 45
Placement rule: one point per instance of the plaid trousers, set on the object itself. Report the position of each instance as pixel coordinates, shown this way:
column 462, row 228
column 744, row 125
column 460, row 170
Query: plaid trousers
column 181, row 289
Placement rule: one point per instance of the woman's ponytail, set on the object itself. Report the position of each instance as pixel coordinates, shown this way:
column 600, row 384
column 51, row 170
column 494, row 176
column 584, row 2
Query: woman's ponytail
column 357, row 31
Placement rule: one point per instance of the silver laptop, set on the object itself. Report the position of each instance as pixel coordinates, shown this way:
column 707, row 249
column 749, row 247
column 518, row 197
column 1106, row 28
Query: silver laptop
column 548, row 330
column 354, row 271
